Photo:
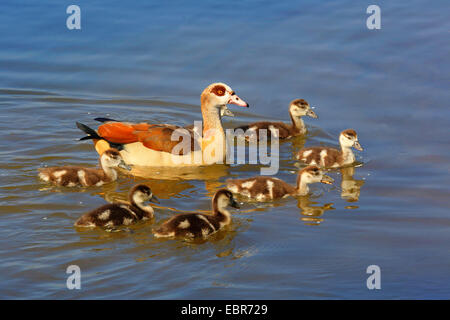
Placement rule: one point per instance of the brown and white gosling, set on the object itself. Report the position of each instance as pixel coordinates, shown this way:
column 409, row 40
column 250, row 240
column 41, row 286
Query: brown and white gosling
column 263, row 188
column 118, row 214
column 70, row 176
column 197, row 225
column 297, row 109
column 330, row 157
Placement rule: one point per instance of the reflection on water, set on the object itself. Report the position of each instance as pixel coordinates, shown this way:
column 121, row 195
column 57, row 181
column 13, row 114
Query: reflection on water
column 350, row 187
column 310, row 211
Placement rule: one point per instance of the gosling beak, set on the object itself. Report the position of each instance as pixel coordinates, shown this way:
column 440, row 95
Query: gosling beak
column 123, row 165
column 327, row 179
column 227, row 112
column 237, row 101
column 312, row 114
column 357, row 146
column 154, row 199
column 234, row 204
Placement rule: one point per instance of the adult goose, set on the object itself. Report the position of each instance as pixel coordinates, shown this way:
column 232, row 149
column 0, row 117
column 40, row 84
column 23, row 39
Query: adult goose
column 164, row 145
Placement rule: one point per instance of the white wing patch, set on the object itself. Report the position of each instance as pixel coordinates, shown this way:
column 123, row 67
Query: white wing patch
column 127, row 221
column 323, row 155
column 44, row 176
column 270, row 185
column 82, row 177
column 275, row 132
column 306, row 153
column 104, row 215
column 233, row 188
column 184, row 224
column 58, row 174
column 248, row 184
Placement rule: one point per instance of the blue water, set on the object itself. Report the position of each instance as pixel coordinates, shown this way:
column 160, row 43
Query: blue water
column 150, row 61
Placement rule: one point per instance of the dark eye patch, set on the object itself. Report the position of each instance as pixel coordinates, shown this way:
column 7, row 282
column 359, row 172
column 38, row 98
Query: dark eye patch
column 218, row 90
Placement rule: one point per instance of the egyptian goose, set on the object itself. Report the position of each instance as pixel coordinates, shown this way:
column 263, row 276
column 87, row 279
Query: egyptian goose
column 263, row 188
column 330, row 157
column 151, row 144
column 297, row 109
column 224, row 112
column 196, row 225
column 117, row 214
column 70, row 176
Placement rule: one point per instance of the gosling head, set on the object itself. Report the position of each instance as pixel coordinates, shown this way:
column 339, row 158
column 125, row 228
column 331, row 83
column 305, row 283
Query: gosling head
column 220, row 94
column 300, row 107
column 141, row 194
column 225, row 112
column 111, row 158
column 348, row 138
column 313, row 174
column 224, row 198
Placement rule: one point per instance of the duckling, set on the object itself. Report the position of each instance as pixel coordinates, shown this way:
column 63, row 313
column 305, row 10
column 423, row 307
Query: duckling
column 263, row 188
column 121, row 213
column 297, row 109
column 195, row 225
column 70, row 176
column 330, row 157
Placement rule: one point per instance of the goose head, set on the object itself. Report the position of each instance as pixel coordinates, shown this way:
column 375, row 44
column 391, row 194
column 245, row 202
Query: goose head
column 141, row 193
column 300, row 107
column 218, row 94
column 348, row 139
column 222, row 199
column 111, row 158
column 313, row 174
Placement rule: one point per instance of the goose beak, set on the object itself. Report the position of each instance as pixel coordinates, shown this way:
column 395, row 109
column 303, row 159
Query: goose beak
column 358, row 146
column 154, row 199
column 312, row 114
column 234, row 204
column 327, row 179
column 237, row 101
column 226, row 112
column 123, row 165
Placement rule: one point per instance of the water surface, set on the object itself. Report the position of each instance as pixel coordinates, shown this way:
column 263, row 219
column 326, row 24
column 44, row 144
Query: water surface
column 150, row 62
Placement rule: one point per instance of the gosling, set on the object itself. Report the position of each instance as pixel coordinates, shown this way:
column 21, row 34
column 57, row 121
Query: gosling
column 196, row 225
column 121, row 214
column 297, row 109
column 70, row 176
column 263, row 188
column 330, row 157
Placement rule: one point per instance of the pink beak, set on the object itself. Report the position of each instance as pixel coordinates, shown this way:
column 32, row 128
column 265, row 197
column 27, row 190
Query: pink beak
column 237, row 101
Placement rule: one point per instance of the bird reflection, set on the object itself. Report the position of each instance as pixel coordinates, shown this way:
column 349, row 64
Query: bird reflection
column 311, row 214
column 350, row 187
